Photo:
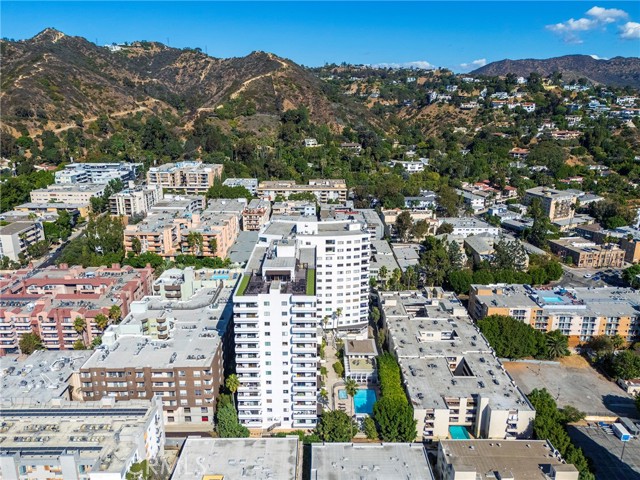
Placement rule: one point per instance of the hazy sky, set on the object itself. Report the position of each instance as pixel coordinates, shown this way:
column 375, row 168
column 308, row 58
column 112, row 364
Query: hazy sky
column 457, row 35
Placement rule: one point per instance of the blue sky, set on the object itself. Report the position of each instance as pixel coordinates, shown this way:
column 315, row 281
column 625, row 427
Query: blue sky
column 452, row 34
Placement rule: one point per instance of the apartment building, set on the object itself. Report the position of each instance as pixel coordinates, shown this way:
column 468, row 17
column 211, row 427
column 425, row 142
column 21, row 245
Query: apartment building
column 251, row 184
column 276, row 338
column 331, row 461
column 76, row 440
column 466, row 226
column 46, row 211
column 17, row 237
column 556, row 204
column 167, row 234
column 98, row 173
column 135, row 200
column 189, row 176
column 182, row 284
column 510, row 459
column 451, row 374
column 65, row 193
column 43, row 376
column 167, row 348
column 342, row 252
column 325, row 190
column 588, row 254
column 236, row 458
column 292, row 208
column 627, row 238
column 49, row 300
column 367, row 216
column 179, row 204
column 256, row 215
column 580, row 313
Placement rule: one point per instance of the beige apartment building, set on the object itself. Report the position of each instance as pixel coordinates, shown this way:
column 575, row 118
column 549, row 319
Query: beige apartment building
column 189, row 176
column 450, row 373
column 67, row 193
column 135, row 200
column 167, row 234
column 256, row 215
column 580, row 313
column 324, row 190
column 587, row 254
column 557, row 204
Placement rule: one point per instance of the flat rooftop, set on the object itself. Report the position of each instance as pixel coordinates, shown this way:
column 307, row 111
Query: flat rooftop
column 606, row 450
column 41, row 376
column 16, row 227
column 522, row 459
column 443, row 354
column 195, row 328
column 238, row 458
column 553, row 193
column 585, row 301
column 102, row 434
column 369, row 461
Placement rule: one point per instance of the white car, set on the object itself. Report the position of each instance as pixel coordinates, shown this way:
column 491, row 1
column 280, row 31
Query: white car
column 587, row 275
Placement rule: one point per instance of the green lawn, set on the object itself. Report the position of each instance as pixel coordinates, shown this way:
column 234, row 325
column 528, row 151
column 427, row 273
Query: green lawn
column 311, row 281
column 243, row 285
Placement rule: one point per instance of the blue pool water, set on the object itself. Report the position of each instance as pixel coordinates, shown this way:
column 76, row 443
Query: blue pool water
column 342, row 394
column 364, row 400
column 458, row 432
column 552, row 299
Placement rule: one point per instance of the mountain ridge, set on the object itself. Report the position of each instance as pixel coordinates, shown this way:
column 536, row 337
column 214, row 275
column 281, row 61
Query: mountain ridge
column 617, row 71
column 52, row 78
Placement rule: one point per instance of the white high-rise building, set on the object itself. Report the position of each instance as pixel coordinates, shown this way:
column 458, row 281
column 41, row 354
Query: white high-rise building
column 299, row 273
column 342, row 253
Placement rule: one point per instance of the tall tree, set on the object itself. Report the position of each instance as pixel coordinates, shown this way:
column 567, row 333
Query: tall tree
column 232, row 383
column 403, row 225
column 335, row 426
column 30, row 342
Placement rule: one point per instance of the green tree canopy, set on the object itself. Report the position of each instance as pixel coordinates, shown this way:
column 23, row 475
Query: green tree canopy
column 227, row 424
column 30, row 342
column 335, row 426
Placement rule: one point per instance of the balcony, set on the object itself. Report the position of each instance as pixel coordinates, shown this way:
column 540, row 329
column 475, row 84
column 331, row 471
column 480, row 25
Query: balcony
column 308, row 415
column 248, row 368
column 162, row 336
column 304, row 349
column 305, row 330
column 246, row 348
column 305, row 368
column 306, row 406
column 247, row 328
column 162, row 328
column 305, row 388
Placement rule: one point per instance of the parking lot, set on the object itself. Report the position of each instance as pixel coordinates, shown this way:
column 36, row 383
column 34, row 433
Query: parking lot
column 605, row 451
column 572, row 381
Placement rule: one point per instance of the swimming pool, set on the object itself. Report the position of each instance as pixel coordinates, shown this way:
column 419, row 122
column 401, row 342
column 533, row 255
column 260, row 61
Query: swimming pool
column 458, row 432
column 363, row 401
column 552, row 299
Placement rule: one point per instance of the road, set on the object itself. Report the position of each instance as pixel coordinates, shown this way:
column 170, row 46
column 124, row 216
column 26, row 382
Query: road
column 51, row 258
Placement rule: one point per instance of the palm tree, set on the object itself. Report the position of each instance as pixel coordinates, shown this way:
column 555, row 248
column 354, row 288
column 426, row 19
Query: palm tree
column 232, row 383
column 115, row 313
column 102, row 321
column 556, row 346
column 351, row 387
column 80, row 326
